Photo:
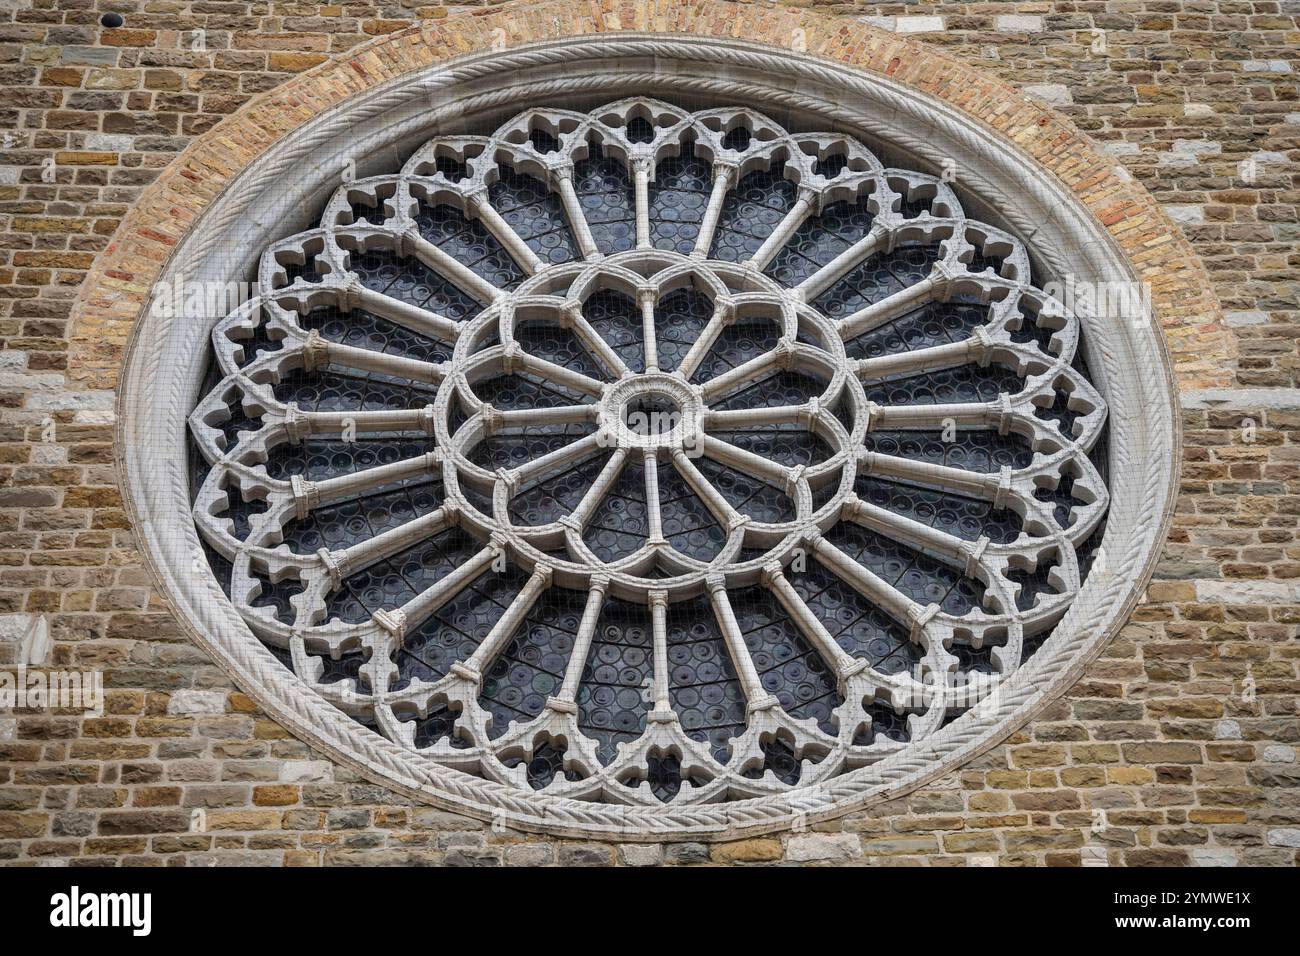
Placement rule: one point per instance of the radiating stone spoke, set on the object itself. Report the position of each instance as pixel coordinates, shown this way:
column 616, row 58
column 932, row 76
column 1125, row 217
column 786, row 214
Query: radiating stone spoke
column 889, row 308
column 642, row 167
column 654, row 509
column 724, row 177
column 581, row 515
column 300, row 424
column 413, row 318
column 596, row 342
column 756, row 698
column 552, row 415
column 533, row 471
column 566, row 697
column 516, row 359
column 931, row 359
column 713, row 499
column 310, row 495
column 386, row 544
column 509, row 622
column 872, row 587
column 504, row 234
column 723, row 312
column 318, row 353
column 446, row 265
column 742, row 375
column 941, row 476
column 663, row 708
column 573, row 209
column 841, row 661
column 956, row 551
column 414, row 612
column 773, row 473
column 779, row 236
column 496, row 420
column 835, row 270
column 978, row 414
column 646, row 299
column 738, row 419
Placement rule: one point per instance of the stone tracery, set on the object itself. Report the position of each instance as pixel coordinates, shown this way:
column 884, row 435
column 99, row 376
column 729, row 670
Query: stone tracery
column 874, row 415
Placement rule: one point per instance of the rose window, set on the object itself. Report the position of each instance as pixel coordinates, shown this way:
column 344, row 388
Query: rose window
column 649, row 458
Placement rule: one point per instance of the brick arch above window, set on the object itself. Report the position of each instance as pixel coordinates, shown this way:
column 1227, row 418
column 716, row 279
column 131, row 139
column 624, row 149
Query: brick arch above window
column 118, row 287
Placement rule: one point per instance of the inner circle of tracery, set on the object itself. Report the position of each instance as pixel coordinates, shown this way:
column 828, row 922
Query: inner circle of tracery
column 645, row 456
column 622, row 412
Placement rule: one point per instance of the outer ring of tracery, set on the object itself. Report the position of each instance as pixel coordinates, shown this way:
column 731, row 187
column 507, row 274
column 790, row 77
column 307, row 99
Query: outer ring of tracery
column 935, row 631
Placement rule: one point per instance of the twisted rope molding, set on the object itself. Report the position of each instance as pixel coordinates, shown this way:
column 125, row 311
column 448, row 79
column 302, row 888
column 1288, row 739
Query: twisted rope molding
column 1141, row 497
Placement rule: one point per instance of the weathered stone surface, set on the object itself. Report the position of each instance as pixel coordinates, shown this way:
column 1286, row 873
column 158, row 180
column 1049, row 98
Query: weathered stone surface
column 586, row 854
column 823, row 848
column 641, row 854
column 748, row 851
column 1289, row 837
column 197, row 702
column 530, row 854
column 1206, row 856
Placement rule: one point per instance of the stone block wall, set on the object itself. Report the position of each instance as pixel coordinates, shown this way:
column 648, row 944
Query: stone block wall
column 1178, row 746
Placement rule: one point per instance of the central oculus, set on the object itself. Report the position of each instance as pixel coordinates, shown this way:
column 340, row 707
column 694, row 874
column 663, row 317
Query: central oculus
column 653, row 411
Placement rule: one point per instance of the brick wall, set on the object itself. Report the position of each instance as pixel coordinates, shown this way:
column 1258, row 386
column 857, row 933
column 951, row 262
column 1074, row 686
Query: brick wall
column 1184, row 732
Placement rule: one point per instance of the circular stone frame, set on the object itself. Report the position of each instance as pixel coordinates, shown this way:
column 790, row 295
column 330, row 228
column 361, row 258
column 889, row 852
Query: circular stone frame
column 274, row 194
